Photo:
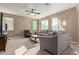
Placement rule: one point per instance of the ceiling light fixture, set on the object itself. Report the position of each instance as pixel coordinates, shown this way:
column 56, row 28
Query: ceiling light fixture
column 47, row 4
column 32, row 12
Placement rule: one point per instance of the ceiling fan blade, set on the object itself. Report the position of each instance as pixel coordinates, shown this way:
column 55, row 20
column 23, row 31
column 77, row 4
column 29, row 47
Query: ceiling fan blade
column 37, row 13
column 27, row 11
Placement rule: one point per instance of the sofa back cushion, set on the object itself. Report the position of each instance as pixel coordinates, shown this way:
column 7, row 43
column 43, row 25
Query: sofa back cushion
column 52, row 33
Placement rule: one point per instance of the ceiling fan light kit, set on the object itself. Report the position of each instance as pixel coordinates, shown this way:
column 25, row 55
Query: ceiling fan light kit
column 32, row 14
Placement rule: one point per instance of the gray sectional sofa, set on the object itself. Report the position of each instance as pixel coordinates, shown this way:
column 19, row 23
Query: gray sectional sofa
column 54, row 42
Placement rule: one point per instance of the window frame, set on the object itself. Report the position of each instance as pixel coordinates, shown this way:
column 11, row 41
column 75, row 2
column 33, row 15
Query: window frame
column 6, row 19
column 44, row 25
column 57, row 24
column 60, row 28
column 36, row 25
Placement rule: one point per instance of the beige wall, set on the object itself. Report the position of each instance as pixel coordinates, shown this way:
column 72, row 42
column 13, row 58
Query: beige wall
column 20, row 24
column 71, row 17
column 77, row 6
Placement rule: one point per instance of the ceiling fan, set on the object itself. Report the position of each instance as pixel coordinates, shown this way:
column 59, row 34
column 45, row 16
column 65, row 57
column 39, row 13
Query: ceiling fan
column 32, row 12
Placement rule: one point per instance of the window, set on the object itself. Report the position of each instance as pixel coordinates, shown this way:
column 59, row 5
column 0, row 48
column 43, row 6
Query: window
column 55, row 24
column 34, row 25
column 9, row 22
column 62, row 25
column 59, row 23
column 44, row 24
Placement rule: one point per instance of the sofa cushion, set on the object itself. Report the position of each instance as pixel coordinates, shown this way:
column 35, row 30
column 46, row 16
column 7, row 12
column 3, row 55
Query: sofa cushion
column 52, row 33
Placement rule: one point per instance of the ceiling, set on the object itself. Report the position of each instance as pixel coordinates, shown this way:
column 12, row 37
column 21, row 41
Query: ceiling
column 44, row 9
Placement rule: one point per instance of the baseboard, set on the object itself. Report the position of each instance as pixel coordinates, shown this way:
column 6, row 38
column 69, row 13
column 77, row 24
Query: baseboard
column 16, row 36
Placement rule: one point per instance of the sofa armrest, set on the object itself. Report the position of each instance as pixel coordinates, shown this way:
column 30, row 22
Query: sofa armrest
column 47, row 36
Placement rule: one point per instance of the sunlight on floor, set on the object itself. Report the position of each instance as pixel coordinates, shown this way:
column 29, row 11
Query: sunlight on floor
column 76, row 52
column 33, row 51
column 24, row 51
column 21, row 50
